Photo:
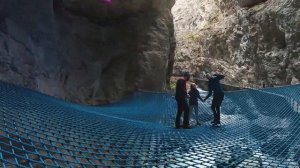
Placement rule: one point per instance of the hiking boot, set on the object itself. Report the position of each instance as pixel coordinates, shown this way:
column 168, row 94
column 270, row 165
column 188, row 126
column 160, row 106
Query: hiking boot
column 187, row 127
column 178, row 126
column 216, row 125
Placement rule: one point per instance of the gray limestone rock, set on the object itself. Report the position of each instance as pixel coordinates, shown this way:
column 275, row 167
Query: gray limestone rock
column 250, row 46
column 93, row 51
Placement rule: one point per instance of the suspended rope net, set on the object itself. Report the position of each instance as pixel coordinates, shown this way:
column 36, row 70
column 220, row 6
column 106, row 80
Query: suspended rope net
column 259, row 128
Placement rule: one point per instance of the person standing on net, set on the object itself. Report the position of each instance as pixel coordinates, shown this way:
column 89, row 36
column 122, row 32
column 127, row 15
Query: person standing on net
column 181, row 99
column 194, row 95
column 215, row 87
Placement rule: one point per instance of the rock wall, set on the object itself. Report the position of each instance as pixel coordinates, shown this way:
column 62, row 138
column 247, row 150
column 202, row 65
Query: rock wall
column 91, row 51
column 251, row 42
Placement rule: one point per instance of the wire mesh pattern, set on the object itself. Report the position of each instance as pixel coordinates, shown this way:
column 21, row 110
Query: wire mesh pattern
column 260, row 128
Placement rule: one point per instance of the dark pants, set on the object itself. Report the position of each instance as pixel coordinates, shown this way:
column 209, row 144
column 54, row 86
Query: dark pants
column 182, row 106
column 215, row 107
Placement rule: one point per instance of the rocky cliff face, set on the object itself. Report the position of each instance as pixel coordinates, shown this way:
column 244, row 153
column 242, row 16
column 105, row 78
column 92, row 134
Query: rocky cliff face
column 250, row 41
column 91, row 51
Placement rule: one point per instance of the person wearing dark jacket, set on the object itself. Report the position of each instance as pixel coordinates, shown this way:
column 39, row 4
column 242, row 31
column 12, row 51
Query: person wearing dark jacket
column 194, row 95
column 215, row 88
column 181, row 99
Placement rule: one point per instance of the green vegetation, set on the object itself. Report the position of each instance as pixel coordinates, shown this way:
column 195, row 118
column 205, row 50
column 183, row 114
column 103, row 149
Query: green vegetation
column 173, row 84
column 214, row 19
column 193, row 36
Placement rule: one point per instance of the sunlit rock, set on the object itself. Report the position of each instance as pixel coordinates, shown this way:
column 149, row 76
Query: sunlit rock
column 251, row 46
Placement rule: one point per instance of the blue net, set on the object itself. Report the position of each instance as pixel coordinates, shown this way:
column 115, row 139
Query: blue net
column 260, row 128
column 292, row 91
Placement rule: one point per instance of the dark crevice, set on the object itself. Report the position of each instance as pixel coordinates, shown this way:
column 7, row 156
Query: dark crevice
column 58, row 6
column 119, row 21
column 3, row 25
column 253, row 3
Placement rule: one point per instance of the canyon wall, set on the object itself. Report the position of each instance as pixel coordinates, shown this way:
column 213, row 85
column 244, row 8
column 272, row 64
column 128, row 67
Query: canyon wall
column 250, row 41
column 92, row 51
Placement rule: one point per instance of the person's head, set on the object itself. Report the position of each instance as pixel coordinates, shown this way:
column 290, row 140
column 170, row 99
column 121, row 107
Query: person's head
column 193, row 86
column 186, row 76
column 208, row 76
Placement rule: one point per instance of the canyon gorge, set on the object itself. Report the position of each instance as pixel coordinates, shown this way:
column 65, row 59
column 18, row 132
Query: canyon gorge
column 99, row 51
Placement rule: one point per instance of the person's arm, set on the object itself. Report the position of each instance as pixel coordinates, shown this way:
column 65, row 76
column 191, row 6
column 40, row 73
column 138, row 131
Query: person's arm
column 184, row 90
column 218, row 76
column 198, row 95
column 189, row 94
column 209, row 92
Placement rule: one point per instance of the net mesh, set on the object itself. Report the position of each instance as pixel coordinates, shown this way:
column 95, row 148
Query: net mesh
column 260, row 128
